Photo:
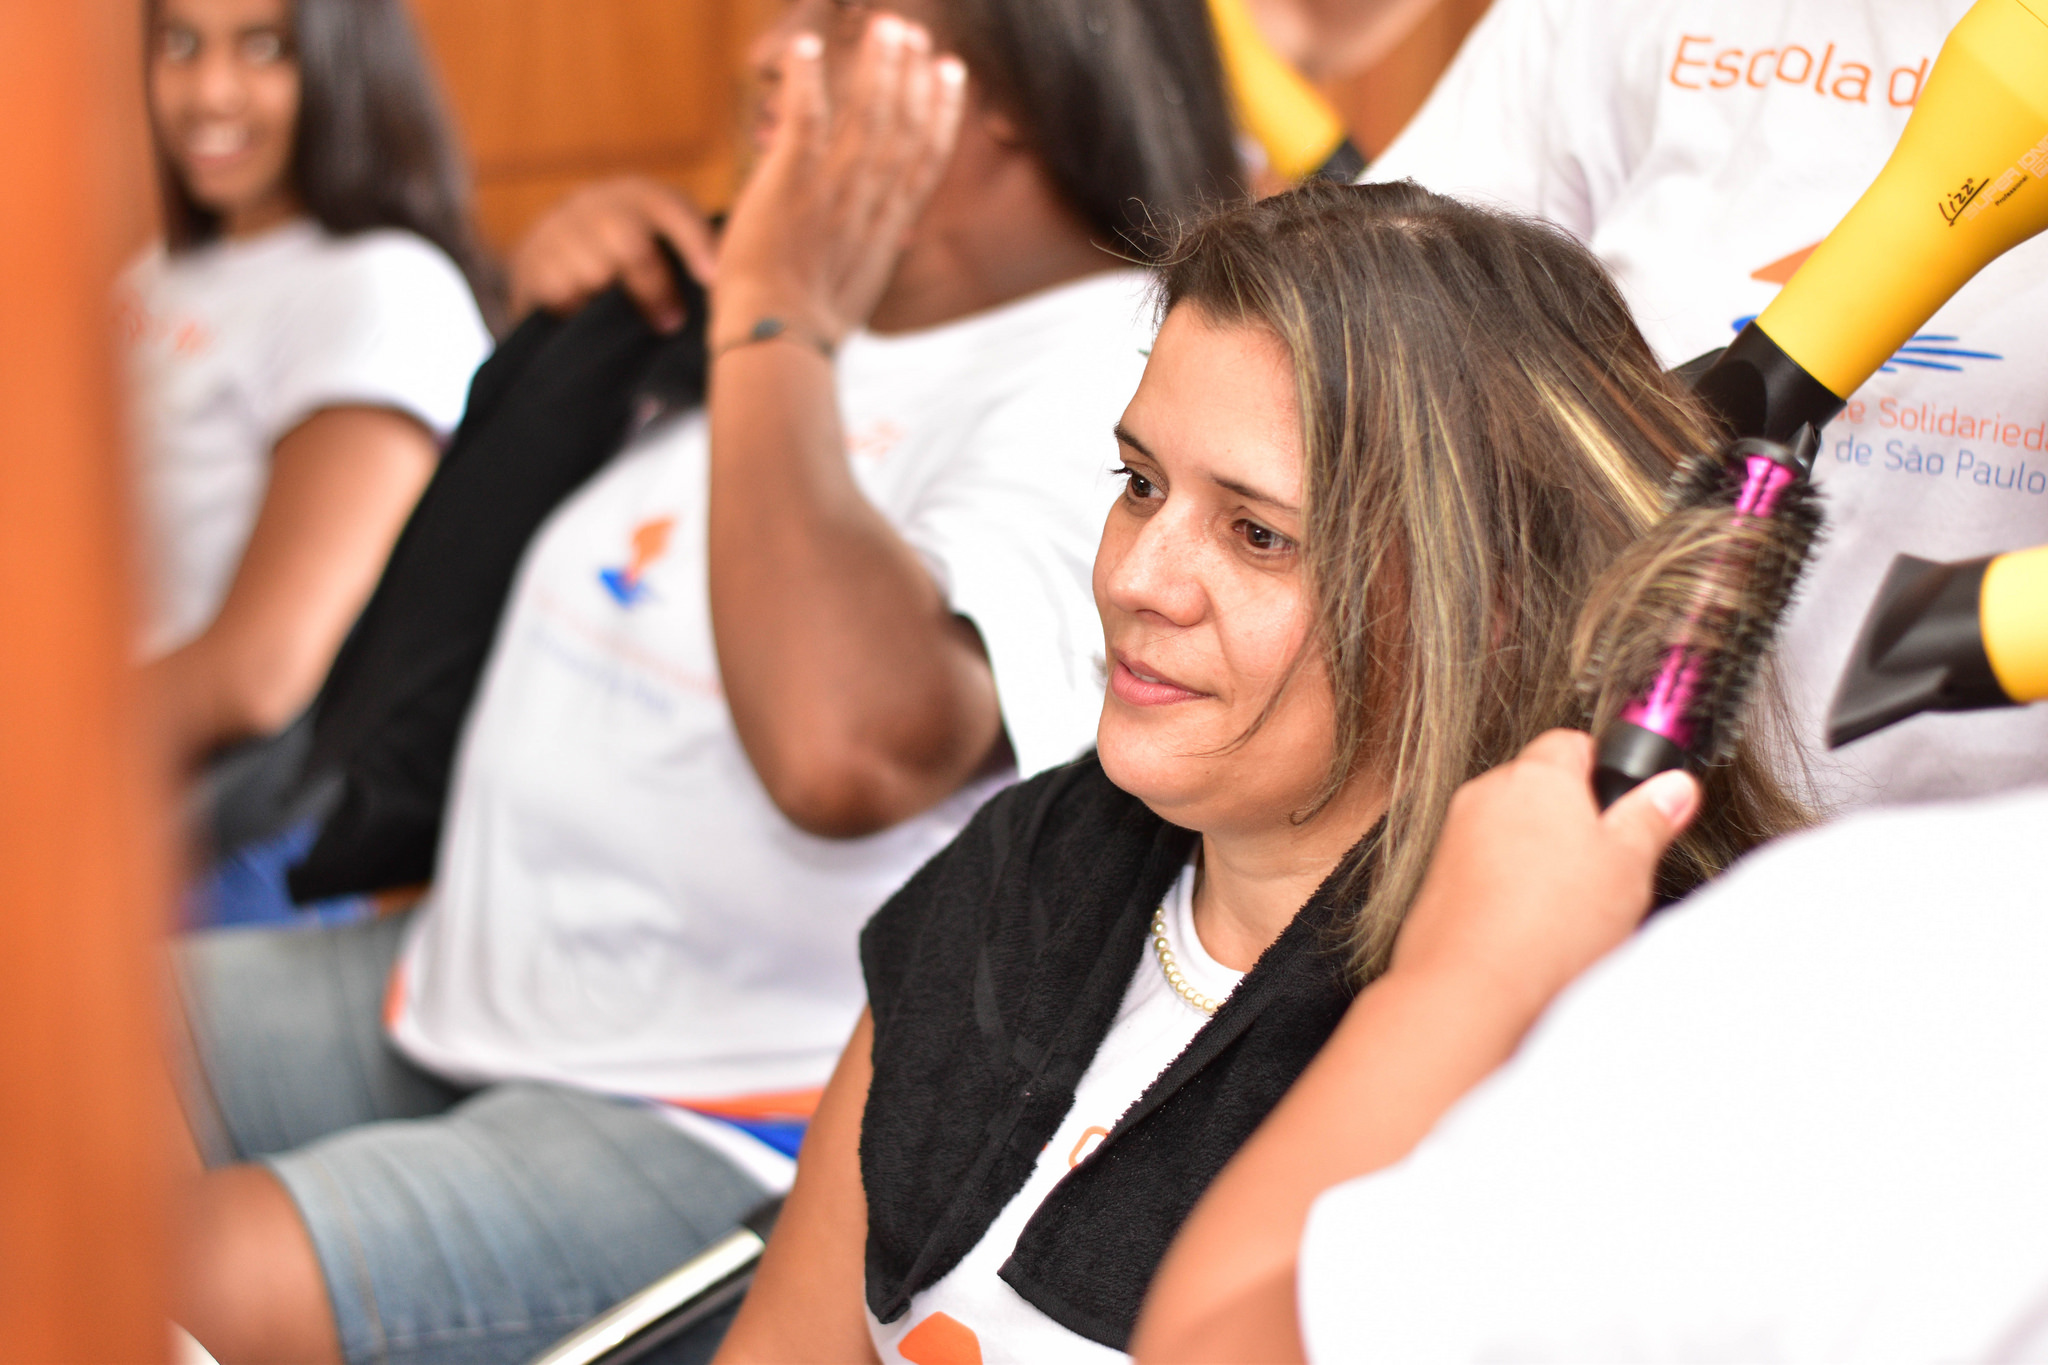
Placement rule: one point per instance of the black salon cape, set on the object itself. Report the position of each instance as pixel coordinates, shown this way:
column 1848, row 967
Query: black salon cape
column 994, row 976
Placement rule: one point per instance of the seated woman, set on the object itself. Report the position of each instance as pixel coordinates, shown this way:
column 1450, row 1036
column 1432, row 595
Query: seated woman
column 748, row 679
column 300, row 344
column 1384, row 445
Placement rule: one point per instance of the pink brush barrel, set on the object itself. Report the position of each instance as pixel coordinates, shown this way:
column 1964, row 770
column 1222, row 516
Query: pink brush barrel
column 1665, row 708
column 1665, row 727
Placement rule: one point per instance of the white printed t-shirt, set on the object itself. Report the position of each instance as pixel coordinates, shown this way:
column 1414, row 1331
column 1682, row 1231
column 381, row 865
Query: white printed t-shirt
column 619, row 905
column 233, row 344
column 972, row 1304
column 1699, row 147
column 1801, row 1117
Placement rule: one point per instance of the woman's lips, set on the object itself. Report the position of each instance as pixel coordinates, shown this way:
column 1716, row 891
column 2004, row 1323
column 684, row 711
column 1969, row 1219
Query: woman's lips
column 1141, row 687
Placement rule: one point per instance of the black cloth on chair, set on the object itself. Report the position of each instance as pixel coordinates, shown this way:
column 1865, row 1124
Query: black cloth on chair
column 550, row 407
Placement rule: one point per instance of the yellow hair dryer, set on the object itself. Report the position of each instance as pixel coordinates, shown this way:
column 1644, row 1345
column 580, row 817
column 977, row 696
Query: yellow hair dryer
column 1301, row 133
column 1947, row 637
column 1967, row 183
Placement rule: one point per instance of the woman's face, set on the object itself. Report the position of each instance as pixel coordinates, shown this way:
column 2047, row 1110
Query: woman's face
column 224, row 95
column 1199, row 582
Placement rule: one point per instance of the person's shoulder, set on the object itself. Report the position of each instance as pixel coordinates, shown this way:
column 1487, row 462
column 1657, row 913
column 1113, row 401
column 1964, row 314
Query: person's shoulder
column 1074, row 352
column 1908, row 844
column 1072, row 327
column 1066, row 826
column 392, row 290
column 1118, row 304
column 1048, row 818
column 1886, row 880
column 391, row 263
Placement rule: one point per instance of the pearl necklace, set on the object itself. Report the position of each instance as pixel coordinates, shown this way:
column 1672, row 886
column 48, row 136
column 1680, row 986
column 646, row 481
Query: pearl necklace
column 1172, row 969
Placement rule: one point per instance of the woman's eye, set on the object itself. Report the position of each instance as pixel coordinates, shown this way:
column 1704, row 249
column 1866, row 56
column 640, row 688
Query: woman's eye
column 178, row 44
column 1136, row 485
column 1263, row 539
column 262, row 49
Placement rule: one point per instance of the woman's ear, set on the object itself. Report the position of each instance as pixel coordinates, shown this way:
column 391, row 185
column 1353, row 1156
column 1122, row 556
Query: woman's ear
column 998, row 125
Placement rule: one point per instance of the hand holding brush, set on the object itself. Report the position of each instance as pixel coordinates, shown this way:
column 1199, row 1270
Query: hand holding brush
column 1673, row 639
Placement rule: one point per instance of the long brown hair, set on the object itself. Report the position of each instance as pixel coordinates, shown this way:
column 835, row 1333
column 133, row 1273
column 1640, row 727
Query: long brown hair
column 373, row 147
column 1123, row 100
column 1485, row 433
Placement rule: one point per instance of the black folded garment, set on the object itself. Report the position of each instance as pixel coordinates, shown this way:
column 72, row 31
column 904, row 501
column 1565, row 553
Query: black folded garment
column 550, row 408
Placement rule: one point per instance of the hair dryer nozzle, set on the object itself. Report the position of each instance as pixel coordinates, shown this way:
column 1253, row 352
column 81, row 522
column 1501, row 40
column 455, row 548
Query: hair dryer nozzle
column 1757, row 390
column 1920, row 649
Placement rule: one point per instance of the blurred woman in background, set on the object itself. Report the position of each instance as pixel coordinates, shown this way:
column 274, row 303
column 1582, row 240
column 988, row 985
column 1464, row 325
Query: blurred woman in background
column 300, row 343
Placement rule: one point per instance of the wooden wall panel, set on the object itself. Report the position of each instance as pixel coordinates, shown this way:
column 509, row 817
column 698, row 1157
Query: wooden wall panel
column 85, row 1129
column 553, row 93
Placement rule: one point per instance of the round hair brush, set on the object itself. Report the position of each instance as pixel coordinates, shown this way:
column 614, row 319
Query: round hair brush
column 1676, row 633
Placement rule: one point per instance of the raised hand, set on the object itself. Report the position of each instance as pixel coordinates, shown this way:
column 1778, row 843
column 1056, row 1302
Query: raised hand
column 605, row 234
column 815, row 236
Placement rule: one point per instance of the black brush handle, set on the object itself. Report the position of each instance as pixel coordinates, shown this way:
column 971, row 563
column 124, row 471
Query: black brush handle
column 1629, row 756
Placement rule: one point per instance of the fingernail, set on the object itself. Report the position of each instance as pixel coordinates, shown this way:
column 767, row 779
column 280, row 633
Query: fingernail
column 952, row 71
column 809, row 46
column 1675, row 795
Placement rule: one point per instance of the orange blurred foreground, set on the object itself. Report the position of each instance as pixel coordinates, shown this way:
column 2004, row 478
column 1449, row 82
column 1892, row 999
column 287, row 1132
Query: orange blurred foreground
column 84, row 1120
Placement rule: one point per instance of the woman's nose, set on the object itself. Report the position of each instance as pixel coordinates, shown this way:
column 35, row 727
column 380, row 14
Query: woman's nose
column 1158, row 571
column 220, row 87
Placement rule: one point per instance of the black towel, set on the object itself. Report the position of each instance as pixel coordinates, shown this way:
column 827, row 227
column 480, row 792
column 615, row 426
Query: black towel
column 993, row 977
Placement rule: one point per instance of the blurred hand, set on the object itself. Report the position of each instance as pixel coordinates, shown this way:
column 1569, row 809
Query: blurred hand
column 818, row 228
column 604, row 234
column 1531, row 883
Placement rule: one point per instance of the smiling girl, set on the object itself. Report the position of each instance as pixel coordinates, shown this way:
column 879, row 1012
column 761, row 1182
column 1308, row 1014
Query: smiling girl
column 300, row 343
column 1383, row 447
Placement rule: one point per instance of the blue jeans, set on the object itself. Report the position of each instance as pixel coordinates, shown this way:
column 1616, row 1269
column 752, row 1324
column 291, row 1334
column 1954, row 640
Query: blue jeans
column 451, row 1225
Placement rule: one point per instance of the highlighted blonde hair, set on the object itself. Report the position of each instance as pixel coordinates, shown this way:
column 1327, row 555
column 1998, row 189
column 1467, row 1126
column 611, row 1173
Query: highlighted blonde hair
column 1485, row 433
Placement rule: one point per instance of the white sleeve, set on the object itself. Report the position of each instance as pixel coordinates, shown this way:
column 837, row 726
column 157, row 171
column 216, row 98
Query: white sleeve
column 1011, row 535
column 1796, row 1118
column 387, row 321
column 1529, row 116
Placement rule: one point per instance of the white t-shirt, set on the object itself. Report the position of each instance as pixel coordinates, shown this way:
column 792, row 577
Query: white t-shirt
column 1154, row 1025
column 234, row 344
column 619, row 905
column 1697, row 146
column 1803, row 1117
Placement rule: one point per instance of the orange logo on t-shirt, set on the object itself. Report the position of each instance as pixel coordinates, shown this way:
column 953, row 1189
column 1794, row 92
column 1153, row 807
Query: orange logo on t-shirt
column 137, row 325
column 941, row 1340
column 1784, row 268
column 650, row 543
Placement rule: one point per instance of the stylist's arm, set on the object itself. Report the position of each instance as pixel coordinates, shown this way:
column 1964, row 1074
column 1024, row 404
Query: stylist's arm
column 1530, row 885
